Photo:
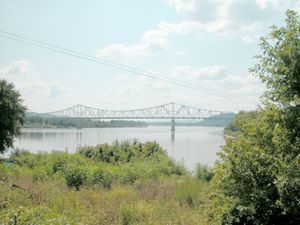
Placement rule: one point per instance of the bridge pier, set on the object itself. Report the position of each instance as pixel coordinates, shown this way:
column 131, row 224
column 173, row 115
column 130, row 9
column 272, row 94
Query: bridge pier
column 173, row 124
column 172, row 130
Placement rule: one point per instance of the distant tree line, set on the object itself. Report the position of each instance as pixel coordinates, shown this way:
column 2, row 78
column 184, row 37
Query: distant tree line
column 36, row 121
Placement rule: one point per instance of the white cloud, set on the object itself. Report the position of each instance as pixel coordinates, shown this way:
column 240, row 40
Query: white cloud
column 144, row 85
column 232, row 17
column 215, row 79
column 151, row 41
column 131, row 92
column 243, row 85
column 33, row 89
column 56, row 89
column 190, row 73
column 250, row 39
column 17, row 68
column 221, row 17
column 186, row 6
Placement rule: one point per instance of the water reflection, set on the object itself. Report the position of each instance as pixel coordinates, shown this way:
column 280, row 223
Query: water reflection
column 191, row 145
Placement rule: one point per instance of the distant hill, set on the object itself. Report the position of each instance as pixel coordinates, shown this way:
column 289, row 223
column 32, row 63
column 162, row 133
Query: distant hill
column 218, row 120
column 213, row 121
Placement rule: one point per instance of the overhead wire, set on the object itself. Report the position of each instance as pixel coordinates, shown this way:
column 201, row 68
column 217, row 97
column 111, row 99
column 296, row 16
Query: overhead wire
column 110, row 63
column 131, row 69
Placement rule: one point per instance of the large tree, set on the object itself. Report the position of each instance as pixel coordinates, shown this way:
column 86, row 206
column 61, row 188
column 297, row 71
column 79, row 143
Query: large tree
column 258, row 178
column 279, row 63
column 12, row 114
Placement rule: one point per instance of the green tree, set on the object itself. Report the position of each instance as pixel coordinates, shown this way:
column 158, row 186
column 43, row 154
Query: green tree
column 12, row 114
column 279, row 62
column 258, row 177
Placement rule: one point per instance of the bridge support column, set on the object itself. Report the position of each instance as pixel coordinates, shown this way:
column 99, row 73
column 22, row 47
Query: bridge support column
column 172, row 124
column 172, row 130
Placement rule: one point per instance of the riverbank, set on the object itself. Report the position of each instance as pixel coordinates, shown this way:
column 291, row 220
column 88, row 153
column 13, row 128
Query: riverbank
column 124, row 183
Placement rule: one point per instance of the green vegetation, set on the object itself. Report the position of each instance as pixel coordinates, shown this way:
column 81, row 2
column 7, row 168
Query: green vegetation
column 12, row 114
column 213, row 121
column 123, row 183
column 37, row 121
column 258, row 178
column 218, row 120
column 203, row 172
column 256, row 181
column 231, row 130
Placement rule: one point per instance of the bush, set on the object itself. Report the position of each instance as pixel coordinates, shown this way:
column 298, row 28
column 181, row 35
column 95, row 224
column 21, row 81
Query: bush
column 101, row 177
column 61, row 160
column 75, row 177
column 123, row 152
column 203, row 172
column 129, row 175
column 24, row 158
column 59, row 165
column 124, row 162
column 39, row 175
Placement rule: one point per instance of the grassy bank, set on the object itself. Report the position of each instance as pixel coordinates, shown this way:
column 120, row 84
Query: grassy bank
column 123, row 183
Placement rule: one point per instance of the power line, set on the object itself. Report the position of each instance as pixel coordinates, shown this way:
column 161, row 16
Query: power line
column 113, row 64
column 110, row 63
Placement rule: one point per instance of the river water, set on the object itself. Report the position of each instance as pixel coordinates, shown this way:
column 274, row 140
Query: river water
column 191, row 144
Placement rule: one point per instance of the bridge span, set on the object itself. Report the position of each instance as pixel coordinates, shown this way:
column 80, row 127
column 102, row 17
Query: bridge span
column 170, row 111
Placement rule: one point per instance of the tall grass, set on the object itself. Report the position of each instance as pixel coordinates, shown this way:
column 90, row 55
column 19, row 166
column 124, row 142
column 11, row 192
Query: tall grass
column 139, row 184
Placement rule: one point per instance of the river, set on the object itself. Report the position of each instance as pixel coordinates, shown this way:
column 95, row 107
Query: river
column 191, row 145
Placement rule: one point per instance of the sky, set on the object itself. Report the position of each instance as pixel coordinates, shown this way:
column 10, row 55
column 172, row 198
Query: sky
column 207, row 44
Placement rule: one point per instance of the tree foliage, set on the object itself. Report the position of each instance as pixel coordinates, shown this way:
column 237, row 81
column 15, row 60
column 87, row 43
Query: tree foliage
column 279, row 65
column 12, row 114
column 259, row 172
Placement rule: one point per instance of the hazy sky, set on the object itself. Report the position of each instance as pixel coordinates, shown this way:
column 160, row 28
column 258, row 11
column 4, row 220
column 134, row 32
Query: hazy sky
column 207, row 43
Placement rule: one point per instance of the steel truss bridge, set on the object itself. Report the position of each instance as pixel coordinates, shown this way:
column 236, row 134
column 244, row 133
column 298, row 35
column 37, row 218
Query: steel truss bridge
column 170, row 110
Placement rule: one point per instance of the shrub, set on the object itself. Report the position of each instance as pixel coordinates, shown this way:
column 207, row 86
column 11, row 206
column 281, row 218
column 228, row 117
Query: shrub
column 24, row 158
column 101, row 177
column 75, row 177
column 203, row 172
column 129, row 175
column 39, row 175
column 59, row 165
column 123, row 152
